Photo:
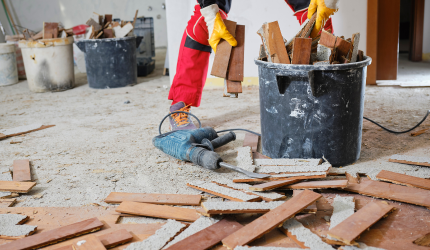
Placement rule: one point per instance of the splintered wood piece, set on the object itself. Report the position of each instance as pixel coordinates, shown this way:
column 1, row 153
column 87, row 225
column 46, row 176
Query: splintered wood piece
column 351, row 178
column 90, row 242
column 108, row 33
column 208, row 237
column 223, row 52
column 251, row 140
column 50, row 30
column 96, row 25
column 302, row 50
column 273, row 184
column 354, row 47
column 224, row 192
column 38, row 36
column 46, row 238
column 351, row 228
column 411, row 160
column 135, row 17
column 236, row 63
column 403, row 179
column 271, row 220
column 420, row 132
column 21, row 170
column 303, row 177
column 423, row 241
column 262, row 32
column 7, row 202
column 305, row 31
column 108, row 19
column 327, row 39
column 360, row 56
column 389, row 191
column 99, row 35
column 16, row 186
column 158, row 211
column 342, row 48
column 319, row 184
column 5, row 133
column 234, row 87
column 212, row 208
column 276, row 45
column 310, row 209
column 161, row 199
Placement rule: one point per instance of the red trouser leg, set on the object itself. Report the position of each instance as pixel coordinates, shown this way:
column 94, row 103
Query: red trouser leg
column 193, row 62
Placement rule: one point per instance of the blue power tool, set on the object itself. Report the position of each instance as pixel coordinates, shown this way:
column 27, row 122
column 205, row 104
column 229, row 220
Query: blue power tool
column 198, row 146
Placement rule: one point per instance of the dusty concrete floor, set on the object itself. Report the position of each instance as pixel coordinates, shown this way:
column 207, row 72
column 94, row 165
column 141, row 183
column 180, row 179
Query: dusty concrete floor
column 100, row 144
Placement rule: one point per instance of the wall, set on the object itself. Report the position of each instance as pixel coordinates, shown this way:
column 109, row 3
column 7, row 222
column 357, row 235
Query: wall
column 32, row 13
column 351, row 18
column 426, row 43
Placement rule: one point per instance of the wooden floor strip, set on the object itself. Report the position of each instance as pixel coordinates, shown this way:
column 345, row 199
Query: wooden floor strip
column 404, row 179
column 90, row 242
column 273, row 184
column 16, row 186
column 223, row 192
column 319, row 184
column 21, row 170
column 212, row 208
column 158, row 211
column 271, row 220
column 46, row 238
column 411, row 160
column 351, row 228
column 389, row 191
column 5, row 133
column 161, row 199
column 109, row 240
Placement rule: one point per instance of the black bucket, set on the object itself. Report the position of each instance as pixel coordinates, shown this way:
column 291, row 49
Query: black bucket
column 312, row 111
column 110, row 63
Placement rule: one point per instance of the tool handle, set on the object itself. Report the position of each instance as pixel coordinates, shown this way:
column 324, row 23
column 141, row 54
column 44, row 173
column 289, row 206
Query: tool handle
column 223, row 140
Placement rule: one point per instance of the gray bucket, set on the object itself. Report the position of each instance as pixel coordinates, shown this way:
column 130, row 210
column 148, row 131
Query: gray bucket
column 312, row 111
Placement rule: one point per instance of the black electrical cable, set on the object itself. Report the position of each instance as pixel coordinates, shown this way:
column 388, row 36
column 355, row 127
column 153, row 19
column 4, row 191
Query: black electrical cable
column 255, row 133
column 399, row 132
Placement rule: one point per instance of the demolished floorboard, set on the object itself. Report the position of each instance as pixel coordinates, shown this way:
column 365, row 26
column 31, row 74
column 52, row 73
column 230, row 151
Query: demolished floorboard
column 50, row 237
column 266, row 196
column 16, row 186
column 109, row 240
column 245, row 159
column 319, row 184
column 276, row 44
column 273, row 184
column 5, row 133
column 161, row 237
column 270, row 220
column 288, row 162
column 423, row 241
column 300, row 176
column 411, row 160
column 208, row 237
column 223, row 52
column 403, row 179
column 90, row 242
column 351, row 228
column 21, row 170
column 311, row 209
column 158, row 211
column 223, row 192
column 236, row 63
column 161, row 199
column 11, row 227
column 389, row 191
column 251, row 140
column 7, row 202
column 302, row 51
column 212, row 208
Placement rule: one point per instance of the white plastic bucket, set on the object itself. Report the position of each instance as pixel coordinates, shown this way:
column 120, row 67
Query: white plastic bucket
column 49, row 64
column 8, row 69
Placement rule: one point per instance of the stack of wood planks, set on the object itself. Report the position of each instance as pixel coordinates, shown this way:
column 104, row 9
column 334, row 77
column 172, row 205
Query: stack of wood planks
column 325, row 49
column 229, row 61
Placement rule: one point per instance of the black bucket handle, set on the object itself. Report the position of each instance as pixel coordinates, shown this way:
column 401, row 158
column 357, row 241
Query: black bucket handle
column 284, row 83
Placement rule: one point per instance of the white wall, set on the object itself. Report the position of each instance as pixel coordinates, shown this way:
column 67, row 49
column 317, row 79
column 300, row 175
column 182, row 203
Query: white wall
column 426, row 44
column 32, row 13
column 350, row 19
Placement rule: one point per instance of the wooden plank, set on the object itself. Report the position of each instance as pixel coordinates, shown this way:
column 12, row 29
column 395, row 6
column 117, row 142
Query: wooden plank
column 262, row 32
column 234, row 87
column 208, row 237
column 212, row 208
column 351, row 228
column 420, row 132
column 7, row 202
column 90, row 242
column 108, row 19
column 404, row 179
column 343, row 48
column 96, row 25
column 108, row 33
column 311, row 208
column 389, row 191
column 319, row 184
column 50, row 30
column 108, row 240
column 135, row 17
column 46, row 238
column 251, row 140
column 158, row 211
column 271, row 220
column 277, row 50
column 222, row 55
column 4, row 134
column 372, row 40
column 224, row 192
column 327, row 39
column 417, row 31
column 16, row 186
column 161, row 199
column 273, row 184
column 423, row 241
column 21, row 170
column 237, row 58
column 305, row 31
column 255, row 180
column 411, row 160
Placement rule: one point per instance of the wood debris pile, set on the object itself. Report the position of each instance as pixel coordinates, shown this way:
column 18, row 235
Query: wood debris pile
column 325, row 49
column 104, row 27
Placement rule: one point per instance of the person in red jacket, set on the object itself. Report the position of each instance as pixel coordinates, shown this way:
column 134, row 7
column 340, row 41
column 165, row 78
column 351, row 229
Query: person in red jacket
column 204, row 31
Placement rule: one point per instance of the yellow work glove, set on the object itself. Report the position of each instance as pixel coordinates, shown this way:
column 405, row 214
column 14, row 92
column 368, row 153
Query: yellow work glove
column 216, row 27
column 324, row 9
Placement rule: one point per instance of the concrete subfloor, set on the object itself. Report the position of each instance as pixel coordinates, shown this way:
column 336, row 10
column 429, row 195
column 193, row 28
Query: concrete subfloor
column 100, row 144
